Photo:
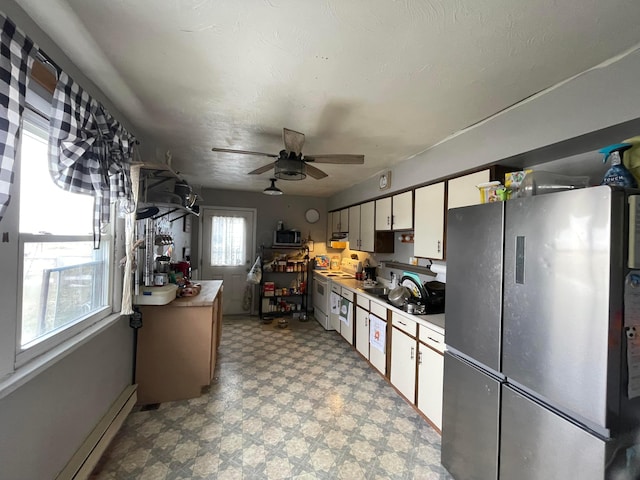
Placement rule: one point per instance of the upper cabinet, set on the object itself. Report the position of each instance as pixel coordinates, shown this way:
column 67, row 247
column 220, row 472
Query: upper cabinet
column 362, row 232
column 395, row 213
column 340, row 220
column 367, row 227
column 402, row 211
column 383, row 214
column 429, row 222
column 354, row 228
column 463, row 191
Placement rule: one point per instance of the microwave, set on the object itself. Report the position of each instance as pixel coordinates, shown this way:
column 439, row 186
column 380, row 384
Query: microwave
column 287, row 238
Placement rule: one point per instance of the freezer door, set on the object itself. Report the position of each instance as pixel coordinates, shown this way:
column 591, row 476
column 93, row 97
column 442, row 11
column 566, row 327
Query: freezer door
column 470, row 421
column 537, row 444
column 473, row 306
column 562, row 299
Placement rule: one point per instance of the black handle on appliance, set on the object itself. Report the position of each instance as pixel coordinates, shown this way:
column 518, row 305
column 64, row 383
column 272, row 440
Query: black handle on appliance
column 520, row 259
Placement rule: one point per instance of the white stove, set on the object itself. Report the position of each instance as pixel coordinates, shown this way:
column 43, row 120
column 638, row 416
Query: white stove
column 348, row 269
column 322, row 288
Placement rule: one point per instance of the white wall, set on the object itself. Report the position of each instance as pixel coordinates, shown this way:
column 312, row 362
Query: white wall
column 568, row 120
column 288, row 208
column 44, row 421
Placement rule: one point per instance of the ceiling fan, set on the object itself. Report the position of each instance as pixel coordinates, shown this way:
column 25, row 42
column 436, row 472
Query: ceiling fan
column 290, row 164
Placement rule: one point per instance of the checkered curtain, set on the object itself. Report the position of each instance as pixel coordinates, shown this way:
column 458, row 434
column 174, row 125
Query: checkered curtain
column 89, row 151
column 15, row 64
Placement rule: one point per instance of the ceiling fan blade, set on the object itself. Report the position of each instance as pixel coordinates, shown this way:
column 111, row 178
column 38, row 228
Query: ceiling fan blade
column 293, row 141
column 315, row 172
column 260, row 170
column 243, row 152
column 339, row 158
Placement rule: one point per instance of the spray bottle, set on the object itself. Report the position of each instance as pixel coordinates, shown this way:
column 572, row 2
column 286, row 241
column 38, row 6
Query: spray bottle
column 617, row 175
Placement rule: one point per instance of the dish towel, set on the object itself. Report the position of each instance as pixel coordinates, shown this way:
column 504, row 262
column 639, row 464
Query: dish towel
column 335, row 303
column 377, row 332
column 345, row 311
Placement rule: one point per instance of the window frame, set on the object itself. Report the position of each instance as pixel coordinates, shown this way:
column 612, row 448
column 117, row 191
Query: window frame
column 35, row 121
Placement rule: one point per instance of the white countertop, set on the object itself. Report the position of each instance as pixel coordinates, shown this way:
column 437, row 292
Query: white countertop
column 435, row 321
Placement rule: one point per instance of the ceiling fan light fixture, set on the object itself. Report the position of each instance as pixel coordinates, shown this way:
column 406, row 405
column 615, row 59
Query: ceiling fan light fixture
column 290, row 169
column 272, row 189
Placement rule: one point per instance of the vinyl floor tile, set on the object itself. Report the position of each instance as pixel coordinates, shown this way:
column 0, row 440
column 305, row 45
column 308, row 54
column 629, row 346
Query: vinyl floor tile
column 295, row 403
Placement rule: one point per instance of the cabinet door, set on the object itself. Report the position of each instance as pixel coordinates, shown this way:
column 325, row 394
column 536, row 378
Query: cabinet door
column 402, row 211
column 329, row 227
column 430, row 379
column 367, row 227
column 354, row 228
column 383, row 214
column 362, row 331
column 335, row 221
column 463, row 191
column 429, row 222
column 344, row 220
column 346, row 329
column 403, row 364
column 378, row 357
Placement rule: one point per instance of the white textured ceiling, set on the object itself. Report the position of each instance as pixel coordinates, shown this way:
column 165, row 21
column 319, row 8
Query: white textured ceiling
column 382, row 78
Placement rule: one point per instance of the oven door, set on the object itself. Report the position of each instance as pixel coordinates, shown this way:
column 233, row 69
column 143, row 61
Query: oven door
column 321, row 295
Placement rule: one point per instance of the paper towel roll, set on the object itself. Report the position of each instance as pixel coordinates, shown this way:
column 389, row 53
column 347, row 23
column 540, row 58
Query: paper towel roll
column 440, row 270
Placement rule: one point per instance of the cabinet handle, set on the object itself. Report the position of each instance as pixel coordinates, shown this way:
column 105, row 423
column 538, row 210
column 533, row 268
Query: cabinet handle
column 413, row 352
column 433, row 340
column 439, row 242
column 366, row 321
column 402, row 323
column 419, row 358
column 388, row 220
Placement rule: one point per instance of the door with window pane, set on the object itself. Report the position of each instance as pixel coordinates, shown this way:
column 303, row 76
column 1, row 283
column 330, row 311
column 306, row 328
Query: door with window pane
column 228, row 246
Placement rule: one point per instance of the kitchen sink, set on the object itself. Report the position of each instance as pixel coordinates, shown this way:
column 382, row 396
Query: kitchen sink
column 379, row 291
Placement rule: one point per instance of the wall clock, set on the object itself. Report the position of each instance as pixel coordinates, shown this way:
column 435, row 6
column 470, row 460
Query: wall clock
column 384, row 181
column 312, row 215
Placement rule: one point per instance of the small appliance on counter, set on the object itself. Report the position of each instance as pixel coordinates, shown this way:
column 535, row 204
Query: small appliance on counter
column 435, row 296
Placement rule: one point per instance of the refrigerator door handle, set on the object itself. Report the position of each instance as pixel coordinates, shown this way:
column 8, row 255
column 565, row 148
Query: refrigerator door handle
column 520, row 259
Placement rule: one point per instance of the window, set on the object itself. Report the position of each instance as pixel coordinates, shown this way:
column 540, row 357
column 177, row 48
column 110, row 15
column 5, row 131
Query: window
column 228, row 241
column 65, row 282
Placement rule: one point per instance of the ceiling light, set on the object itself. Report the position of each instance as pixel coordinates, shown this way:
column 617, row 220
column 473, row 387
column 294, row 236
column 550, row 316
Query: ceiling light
column 290, row 169
column 272, row 189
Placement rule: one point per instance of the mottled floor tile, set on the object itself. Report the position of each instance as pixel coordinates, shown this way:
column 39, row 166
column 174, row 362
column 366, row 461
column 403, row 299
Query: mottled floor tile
column 296, row 403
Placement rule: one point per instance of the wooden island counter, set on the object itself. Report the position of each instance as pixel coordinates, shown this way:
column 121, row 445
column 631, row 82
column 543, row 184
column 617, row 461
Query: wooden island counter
column 177, row 345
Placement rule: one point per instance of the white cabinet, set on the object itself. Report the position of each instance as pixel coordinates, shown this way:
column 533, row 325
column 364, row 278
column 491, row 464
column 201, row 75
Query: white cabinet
column 429, row 222
column 378, row 352
column 362, row 331
column 462, row 191
column 346, row 328
column 402, row 211
column 395, row 213
column 340, row 220
column 367, row 227
column 403, row 363
column 430, row 381
column 354, row 227
column 383, row 214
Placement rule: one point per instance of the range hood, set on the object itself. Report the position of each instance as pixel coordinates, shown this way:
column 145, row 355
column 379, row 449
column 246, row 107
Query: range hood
column 338, row 240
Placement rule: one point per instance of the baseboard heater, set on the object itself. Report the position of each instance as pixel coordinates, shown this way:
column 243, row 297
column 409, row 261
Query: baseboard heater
column 87, row 456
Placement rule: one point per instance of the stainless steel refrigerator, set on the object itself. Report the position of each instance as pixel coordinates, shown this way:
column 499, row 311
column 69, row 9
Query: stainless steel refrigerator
column 537, row 381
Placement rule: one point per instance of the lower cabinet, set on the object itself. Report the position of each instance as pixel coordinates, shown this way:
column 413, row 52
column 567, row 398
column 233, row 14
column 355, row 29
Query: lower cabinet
column 403, row 363
column 346, row 318
column 177, row 346
column 430, row 381
column 362, row 332
column 430, row 374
